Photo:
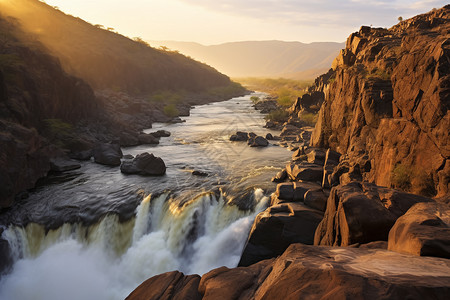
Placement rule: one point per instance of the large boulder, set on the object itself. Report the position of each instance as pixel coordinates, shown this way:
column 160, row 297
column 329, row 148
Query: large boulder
column 63, row 165
column 107, row 154
column 144, row 164
column 316, row 198
column 171, row 285
column 239, row 137
column 423, row 230
column 304, row 171
column 308, row 272
column 258, row 141
column 148, row 139
column 362, row 213
column 276, row 228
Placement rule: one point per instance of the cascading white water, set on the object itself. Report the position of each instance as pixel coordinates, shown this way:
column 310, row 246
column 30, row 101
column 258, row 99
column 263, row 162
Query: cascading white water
column 109, row 259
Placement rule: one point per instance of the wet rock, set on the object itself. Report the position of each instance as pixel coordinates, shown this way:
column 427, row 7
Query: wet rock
column 81, row 155
column 251, row 135
column 358, row 213
column 144, row 164
column 128, row 140
column 63, row 165
column 148, row 139
column 423, row 230
column 107, row 154
column 177, row 120
column 259, row 141
column 269, row 136
column 128, row 156
column 280, row 177
column 294, row 191
column 276, row 228
column 199, row 173
column 305, row 172
column 161, row 133
column 239, row 137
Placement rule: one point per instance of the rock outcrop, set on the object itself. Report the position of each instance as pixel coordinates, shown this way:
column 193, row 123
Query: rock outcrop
column 362, row 213
column 307, row 272
column 144, row 164
column 388, row 97
column 278, row 227
column 423, row 230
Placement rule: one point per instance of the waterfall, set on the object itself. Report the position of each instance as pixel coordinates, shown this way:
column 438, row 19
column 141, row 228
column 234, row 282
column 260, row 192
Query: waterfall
column 109, row 259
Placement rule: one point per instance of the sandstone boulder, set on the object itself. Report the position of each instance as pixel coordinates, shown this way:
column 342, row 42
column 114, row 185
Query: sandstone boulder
column 304, row 171
column 359, row 213
column 280, row 176
column 276, row 228
column 423, row 230
column 107, row 154
column 316, row 198
column 308, row 272
column 144, row 164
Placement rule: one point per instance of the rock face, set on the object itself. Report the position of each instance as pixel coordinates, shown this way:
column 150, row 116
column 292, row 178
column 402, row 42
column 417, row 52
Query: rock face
column 278, row 227
column 388, row 98
column 307, row 272
column 423, row 230
column 362, row 213
column 144, row 164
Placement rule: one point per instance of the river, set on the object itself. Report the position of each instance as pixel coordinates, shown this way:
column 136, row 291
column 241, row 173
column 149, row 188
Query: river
column 95, row 233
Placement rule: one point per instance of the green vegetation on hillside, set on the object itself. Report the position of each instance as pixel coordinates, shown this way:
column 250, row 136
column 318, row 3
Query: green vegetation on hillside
column 107, row 60
column 285, row 90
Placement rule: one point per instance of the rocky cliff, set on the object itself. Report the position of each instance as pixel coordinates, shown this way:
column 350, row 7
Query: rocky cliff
column 387, row 99
column 37, row 98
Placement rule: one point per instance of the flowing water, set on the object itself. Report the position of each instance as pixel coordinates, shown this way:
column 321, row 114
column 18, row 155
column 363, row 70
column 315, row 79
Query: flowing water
column 95, row 233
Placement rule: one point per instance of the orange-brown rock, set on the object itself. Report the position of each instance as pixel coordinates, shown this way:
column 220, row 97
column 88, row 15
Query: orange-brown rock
column 389, row 98
column 424, row 230
column 362, row 213
column 308, row 272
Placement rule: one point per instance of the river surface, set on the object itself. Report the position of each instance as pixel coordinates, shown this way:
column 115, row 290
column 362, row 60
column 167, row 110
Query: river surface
column 95, row 233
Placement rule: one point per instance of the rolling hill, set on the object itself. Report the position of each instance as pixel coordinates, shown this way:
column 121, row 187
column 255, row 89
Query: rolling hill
column 107, row 60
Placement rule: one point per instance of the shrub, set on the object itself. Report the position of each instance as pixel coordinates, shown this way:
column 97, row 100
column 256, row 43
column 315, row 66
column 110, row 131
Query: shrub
column 401, row 177
column 309, row 119
column 415, row 181
column 254, row 99
column 171, row 110
column 278, row 116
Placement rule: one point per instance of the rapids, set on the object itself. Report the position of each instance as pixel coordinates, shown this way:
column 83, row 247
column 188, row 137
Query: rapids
column 97, row 234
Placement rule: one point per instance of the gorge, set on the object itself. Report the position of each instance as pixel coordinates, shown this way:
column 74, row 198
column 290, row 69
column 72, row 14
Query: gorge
column 358, row 209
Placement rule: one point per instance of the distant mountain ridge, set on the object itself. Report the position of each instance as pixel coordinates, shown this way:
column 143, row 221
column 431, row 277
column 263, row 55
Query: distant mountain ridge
column 262, row 58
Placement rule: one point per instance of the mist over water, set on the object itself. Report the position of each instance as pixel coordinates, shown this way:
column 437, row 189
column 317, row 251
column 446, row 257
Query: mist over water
column 191, row 224
column 75, row 263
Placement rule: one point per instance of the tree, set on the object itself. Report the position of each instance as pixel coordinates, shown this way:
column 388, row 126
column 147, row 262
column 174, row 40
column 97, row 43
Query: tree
column 400, row 19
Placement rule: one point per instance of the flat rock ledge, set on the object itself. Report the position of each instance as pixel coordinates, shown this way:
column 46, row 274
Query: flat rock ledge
column 308, row 272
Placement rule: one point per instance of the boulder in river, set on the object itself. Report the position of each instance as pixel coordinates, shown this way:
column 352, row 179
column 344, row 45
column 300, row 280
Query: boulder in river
column 144, row 164
column 239, row 137
column 148, row 139
column 199, row 173
column 108, row 154
column 161, row 133
column 258, row 141
column 63, row 165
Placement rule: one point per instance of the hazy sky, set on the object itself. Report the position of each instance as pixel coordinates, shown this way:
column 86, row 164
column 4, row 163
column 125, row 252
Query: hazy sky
column 218, row 21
